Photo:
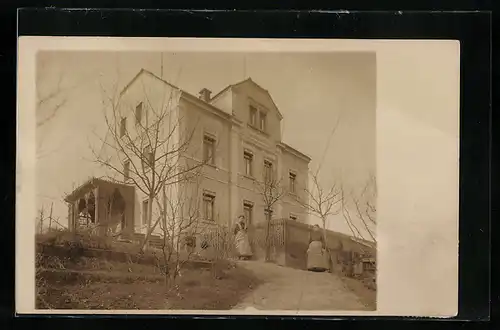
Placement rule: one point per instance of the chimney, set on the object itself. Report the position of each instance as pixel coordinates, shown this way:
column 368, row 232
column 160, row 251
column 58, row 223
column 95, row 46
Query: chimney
column 205, row 94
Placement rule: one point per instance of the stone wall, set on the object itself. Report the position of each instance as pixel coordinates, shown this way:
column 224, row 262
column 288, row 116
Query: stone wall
column 290, row 241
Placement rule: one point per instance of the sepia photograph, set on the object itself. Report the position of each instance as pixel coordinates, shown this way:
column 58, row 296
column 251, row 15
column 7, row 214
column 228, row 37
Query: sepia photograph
column 240, row 181
column 206, row 181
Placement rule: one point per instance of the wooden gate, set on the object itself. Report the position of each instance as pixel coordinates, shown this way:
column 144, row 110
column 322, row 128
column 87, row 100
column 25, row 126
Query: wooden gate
column 270, row 236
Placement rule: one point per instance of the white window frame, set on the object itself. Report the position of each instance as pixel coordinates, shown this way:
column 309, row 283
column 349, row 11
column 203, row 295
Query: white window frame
column 248, row 156
column 209, row 196
column 209, row 141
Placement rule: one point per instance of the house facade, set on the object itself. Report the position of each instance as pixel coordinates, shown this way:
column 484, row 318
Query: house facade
column 232, row 139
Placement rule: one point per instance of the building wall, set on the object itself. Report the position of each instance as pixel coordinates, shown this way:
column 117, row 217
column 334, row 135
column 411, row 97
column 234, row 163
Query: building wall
column 226, row 179
column 250, row 187
column 297, row 242
column 156, row 97
column 248, row 94
column 264, row 146
column 224, row 102
column 293, row 203
column 200, row 120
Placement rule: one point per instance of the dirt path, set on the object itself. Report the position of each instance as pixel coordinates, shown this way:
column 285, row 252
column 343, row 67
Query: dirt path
column 292, row 289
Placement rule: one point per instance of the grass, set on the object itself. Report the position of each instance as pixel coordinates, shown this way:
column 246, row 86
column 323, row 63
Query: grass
column 99, row 289
column 84, row 240
column 367, row 296
column 79, row 282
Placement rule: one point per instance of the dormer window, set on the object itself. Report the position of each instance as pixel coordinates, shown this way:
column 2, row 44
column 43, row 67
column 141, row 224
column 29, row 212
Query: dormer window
column 257, row 117
column 253, row 116
column 262, row 121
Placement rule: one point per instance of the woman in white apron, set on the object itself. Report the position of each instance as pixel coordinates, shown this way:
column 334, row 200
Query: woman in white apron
column 242, row 242
column 317, row 257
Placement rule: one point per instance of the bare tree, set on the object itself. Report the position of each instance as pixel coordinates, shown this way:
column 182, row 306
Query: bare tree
column 180, row 218
column 322, row 203
column 323, row 200
column 364, row 204
column 271, row 190
column 50, row 95
column 151, row 156
column 221, row 241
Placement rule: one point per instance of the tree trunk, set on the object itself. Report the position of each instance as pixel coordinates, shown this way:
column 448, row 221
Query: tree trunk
column 327, row 249
column 145, row 243
column 268, row 237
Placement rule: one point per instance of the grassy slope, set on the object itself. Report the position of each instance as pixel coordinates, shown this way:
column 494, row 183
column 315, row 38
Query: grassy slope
column 144, row 289
column 97, row 283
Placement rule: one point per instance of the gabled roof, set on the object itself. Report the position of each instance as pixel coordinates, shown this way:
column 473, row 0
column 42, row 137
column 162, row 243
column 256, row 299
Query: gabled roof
column 144, row 71
column 294, row 151
column 87, row 185
column 249, row 80
column 183, row 92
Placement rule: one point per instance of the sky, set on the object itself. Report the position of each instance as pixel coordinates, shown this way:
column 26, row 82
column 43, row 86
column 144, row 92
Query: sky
column 313, row 91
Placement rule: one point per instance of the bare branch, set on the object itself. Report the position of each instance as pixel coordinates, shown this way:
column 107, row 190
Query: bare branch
column 365, row 210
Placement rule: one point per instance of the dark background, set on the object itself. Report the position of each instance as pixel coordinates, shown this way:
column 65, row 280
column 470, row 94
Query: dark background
column 473, row 29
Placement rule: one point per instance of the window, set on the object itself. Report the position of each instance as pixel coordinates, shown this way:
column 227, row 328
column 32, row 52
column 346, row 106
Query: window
column 262, row 123
column 253, row 116
column 123, row 127
column 248, row 157
column 138, row 113
column 145, row 211
column 208, row 206
column 147, row 156
column 293, row 217
column 248, row 211
column 209, row 150
column 292, row 177
column 268, row 171
column 126, row 170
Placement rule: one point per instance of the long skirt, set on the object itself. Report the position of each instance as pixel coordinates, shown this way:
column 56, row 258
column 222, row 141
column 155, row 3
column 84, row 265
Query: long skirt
column 243, row 245
column 317, row 258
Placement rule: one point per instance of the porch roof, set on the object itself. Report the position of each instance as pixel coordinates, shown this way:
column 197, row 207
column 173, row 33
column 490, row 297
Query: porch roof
column 87, row 186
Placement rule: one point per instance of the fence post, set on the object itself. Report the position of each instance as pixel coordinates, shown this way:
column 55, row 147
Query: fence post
column 50, row 216
column 41, row 220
